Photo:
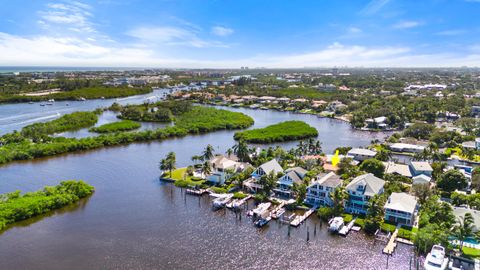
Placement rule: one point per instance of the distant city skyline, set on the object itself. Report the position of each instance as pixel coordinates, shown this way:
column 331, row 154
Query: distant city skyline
column 232, row 34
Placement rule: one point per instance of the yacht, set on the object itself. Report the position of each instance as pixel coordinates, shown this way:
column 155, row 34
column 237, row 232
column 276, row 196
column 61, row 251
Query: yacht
column 436, row 259
column 335, row 224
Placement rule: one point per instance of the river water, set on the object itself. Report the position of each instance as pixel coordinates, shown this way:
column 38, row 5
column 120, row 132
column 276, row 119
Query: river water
column 133, row 221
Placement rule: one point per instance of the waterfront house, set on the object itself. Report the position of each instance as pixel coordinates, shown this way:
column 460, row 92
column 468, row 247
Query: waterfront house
column 319, row 192
column 361, row 154
column 420, row 167
column 421, row 179
column 285, row 183
column 378, row 122
column 266, row 168
column 401, row 208
column 395, row 168
column 224, row 167
column 406, row 147
column 360, row 190
column 477, row 143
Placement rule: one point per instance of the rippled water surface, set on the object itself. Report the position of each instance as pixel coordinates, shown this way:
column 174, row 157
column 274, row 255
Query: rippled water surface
column 133, row 221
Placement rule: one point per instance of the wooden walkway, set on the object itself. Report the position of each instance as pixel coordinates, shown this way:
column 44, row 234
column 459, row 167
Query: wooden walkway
column 392, row 244
column 299, row 219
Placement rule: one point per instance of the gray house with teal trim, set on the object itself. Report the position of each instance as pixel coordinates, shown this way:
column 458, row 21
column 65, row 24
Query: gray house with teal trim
column 360, row 190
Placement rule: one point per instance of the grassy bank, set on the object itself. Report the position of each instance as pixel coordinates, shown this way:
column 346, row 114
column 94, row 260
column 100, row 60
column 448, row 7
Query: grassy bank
column 16, row 207
column 124, row 125
column 284, row 131
column 198, row 120
column 87, row 92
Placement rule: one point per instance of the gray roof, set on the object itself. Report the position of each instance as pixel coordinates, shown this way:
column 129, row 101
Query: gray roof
column 270, row 166
column 294, row 176
column 401, row 202
column 421, row 166
column 402, row 169
column 373, row 185
column 298, row 170
column 329, row 180
column 421, row 177
column 460, row 212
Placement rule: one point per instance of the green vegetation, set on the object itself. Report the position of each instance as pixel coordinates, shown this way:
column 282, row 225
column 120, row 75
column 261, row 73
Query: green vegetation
column 219, row 190
column 239, row 195
column 16, row 207
column 124, row 125
column 164, row 111
column 67, row 122
column 94, row 92
column 284, row 131
column 197, row 120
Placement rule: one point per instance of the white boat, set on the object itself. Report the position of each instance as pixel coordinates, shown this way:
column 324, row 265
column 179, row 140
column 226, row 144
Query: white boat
column 51, row 100
column 335, row 224
column 261, row 209
column 221, row 202
column 436, row 259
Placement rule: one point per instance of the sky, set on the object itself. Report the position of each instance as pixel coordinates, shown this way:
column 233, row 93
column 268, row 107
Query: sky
column 232, row 34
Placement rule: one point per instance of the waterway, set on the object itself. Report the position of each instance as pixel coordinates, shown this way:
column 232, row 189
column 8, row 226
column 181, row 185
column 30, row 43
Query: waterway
column 134, row 221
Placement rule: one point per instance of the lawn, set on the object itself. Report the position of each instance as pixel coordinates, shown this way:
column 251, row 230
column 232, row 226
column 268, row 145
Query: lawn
column 183, row 180
column 471, row 252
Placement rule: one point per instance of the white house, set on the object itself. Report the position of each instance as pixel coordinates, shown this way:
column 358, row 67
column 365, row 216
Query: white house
column 360, row 190
column 421, row 167
column 477, row 143
column 361, row 154
column 401, row 208
column 318, row 192
column 224, row 167
column 405, row 147
column 421, row 179
column 396, row 168
column 285, row 183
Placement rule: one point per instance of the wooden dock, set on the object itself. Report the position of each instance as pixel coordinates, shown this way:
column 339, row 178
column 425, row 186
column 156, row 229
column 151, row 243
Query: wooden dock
column 346, row 229
column 197, row 192
column 391, row 244
column 299, row 219
column 237, row 203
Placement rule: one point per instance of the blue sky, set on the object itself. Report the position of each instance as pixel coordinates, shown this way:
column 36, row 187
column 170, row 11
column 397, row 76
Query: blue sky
column 224, row 33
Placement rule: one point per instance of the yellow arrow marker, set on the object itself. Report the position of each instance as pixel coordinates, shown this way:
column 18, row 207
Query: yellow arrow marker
column 335, row 159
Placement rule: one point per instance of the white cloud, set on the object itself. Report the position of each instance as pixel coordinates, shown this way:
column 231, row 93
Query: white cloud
column 407, row 24
column 354, row 30
column 452, row 32
column 74, row 15
column 52, row 51
column 373, row 7
column 222, row 31
column 169, row 35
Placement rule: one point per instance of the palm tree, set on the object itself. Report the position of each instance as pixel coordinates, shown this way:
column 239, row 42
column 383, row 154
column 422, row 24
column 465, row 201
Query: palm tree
column 241, row 150
column 206, row 169
column 229, row 152
column 338, row 197
column 464, row 228
column 168, row 163
column 208, row 152
column 196, row 158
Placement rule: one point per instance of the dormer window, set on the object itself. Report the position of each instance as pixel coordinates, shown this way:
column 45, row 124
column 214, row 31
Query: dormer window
column 360, row 188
